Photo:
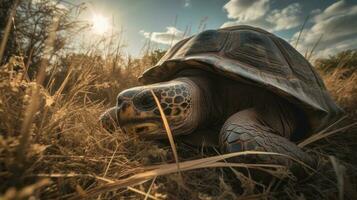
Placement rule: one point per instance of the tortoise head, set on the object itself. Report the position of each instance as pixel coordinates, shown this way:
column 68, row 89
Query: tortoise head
column 137, row 113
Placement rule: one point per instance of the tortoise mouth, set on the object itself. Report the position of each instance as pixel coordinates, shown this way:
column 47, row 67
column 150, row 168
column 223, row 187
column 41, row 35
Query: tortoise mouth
column 135, row 121
column 146, row 130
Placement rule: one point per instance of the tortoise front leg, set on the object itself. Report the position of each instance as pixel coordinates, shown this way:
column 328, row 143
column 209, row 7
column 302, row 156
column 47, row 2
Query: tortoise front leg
column 245, row 131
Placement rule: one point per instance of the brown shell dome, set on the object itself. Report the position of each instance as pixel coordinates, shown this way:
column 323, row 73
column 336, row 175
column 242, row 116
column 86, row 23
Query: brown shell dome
column 255, row 56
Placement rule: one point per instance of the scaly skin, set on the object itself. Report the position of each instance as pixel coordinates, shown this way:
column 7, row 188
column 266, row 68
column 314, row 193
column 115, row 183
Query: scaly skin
column 247, row 131
column 137, row 112
column 250, row 118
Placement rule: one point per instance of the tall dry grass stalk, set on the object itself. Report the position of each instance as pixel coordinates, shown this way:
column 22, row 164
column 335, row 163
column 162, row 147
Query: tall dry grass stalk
column 168, row 130
column 34, row 104
column 301, row 30
column 7, row 29
column 324, row 134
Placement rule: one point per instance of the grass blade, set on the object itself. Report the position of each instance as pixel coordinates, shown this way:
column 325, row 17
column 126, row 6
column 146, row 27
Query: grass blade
column 165, row 169
column 168, row 130
column 320, row 136
column 7, row 30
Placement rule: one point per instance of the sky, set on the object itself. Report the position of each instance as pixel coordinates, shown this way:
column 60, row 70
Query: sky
column 331, row 23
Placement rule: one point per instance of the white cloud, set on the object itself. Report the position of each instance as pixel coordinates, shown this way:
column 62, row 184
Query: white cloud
column 187, row 3
column 337, row 25
column 170, row 36
column 145, row 34
column 257, row 13
column 246, row 10
column 287, row 18
column 257, row 23
column 337, row 47
column 338, row 8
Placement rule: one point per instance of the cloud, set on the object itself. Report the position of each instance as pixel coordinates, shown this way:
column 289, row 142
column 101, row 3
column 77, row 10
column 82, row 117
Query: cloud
column 335, row 48
column 187, row 3
column 287, row 18
column 246, row 10
column 257, row 13
column 170, row 36
column 336, row 26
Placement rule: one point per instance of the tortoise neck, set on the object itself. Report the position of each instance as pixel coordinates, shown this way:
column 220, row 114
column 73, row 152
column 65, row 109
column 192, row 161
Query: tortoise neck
column 205, row 106
column 211, row 93
column 220, row 97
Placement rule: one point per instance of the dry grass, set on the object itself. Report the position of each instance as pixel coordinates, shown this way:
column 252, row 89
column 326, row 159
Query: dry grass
column 52, row 146
column 69, row 155
column 342, row 84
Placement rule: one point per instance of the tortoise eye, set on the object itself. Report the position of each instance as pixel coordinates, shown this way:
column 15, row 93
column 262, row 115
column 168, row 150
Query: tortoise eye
column 144, row 101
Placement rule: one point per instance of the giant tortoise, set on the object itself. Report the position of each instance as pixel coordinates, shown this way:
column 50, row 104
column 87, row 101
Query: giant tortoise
column 240, row 87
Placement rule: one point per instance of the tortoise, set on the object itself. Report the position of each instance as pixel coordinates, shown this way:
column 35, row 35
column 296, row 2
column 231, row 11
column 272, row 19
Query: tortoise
column 240, row 87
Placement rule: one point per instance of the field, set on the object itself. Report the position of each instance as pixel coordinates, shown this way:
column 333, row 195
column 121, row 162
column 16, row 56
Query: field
column 53, row 147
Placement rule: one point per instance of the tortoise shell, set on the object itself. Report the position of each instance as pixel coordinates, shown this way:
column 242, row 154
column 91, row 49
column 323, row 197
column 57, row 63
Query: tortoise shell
column 254, row 56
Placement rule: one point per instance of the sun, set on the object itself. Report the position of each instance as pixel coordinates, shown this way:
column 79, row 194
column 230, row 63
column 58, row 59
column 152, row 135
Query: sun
column 100, row 24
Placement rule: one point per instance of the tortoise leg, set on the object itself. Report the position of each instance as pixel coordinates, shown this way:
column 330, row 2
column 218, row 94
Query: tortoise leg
column 246, row 131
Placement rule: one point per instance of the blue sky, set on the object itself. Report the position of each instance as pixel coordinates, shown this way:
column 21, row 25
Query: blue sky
column 166, row 21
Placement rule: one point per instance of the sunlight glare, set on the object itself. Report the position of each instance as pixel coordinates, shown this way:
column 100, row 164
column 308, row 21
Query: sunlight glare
column 100, row 24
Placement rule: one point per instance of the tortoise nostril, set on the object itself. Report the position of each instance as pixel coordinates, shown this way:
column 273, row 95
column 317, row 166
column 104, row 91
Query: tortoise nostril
column 108, row 119
column 124, row 106
column 141, row 129
column 120, row 101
